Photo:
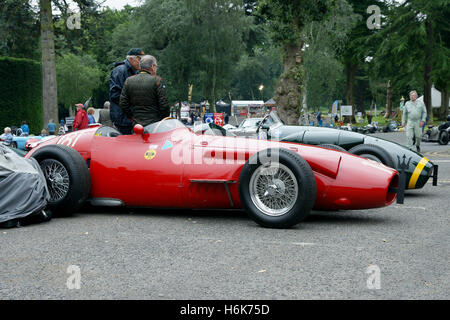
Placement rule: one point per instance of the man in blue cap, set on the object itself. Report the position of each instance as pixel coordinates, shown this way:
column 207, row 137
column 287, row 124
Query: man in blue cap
column 121, row 72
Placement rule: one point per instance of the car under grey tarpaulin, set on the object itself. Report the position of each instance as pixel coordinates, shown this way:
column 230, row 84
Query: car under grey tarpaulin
column 23, row 189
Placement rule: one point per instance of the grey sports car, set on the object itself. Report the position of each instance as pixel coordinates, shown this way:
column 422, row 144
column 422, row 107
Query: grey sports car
column 418, row 169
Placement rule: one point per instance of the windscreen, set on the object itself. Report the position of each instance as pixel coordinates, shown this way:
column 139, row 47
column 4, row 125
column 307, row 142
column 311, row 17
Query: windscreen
column 164, row 126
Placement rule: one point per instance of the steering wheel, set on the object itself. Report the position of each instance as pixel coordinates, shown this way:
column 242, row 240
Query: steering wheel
column 262, row 122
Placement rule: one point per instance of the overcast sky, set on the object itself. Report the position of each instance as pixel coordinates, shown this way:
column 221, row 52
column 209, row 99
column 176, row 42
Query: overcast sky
column 116, row 4
column 119, row 4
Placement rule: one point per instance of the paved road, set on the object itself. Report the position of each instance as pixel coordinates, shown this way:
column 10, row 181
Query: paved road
column 155, row 254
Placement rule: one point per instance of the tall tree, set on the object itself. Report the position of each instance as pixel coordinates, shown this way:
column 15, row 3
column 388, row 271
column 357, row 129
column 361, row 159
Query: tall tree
column 324, row 41
column 49, row 89
column 410, row 44
column 287, row 20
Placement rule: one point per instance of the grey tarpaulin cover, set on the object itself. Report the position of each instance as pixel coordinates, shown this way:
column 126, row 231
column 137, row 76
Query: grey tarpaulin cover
column 23, row 189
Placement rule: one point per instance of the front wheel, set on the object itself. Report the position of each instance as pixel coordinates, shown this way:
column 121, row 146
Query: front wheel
column 67, row 177
column 277, row 188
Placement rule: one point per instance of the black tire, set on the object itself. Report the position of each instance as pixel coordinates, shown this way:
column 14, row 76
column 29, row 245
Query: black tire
column 299, row 205
column 332, row 146
column 14, row 145
column 373, row 152
column 73, row 175
column 443, row 138
column 426, row 137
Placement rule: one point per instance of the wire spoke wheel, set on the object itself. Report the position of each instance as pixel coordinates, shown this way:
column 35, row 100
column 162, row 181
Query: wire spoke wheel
column 273, row 189
column 57, row 177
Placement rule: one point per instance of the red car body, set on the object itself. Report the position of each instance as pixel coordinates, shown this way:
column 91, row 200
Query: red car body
column 180, row 169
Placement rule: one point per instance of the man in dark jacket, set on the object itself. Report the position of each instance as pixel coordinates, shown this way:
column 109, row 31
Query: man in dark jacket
column 121, row 72
column 144, row 97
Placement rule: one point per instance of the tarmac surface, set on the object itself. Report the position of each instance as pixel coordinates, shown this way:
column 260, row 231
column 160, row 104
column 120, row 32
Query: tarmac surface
column 397, row 252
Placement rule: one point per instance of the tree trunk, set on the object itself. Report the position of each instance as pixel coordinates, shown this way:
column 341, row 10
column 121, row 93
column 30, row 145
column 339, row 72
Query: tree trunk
column 288, row 94
column 388, row 100
column 351, row 69
column 443, row 112
column 49, row 89
column 428, row 70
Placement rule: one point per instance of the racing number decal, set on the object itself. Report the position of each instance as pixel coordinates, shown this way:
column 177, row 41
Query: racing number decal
column 71, row 140
column 150, row 154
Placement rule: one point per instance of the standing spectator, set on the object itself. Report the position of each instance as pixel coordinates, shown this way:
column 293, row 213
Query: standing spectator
column 91, row 112
column 81, row 118
column 226, row 118
column 144, row 97
column 319, row 118
column 62, row 128
column 51, row 127
column 25, row 128
column 414, row 117
column 7, row 137
column 121, row 72
column 369, row 117
column 104, row 115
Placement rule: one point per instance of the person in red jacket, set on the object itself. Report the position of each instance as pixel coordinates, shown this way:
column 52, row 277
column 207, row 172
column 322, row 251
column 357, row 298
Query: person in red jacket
column 81, row 118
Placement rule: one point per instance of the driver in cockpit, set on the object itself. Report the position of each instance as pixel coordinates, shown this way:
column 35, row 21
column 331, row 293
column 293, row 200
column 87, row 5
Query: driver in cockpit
column 144, row 98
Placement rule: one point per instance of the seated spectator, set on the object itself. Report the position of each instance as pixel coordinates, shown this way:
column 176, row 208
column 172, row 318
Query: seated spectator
column 25, row 128
column 44, row 133
column 62, row 128
column 7, row 137
column 51, row 127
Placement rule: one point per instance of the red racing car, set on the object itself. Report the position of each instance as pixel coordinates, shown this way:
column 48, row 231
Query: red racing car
column 167, row 165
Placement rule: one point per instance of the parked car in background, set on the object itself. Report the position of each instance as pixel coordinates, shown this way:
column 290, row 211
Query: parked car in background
column 418, row 168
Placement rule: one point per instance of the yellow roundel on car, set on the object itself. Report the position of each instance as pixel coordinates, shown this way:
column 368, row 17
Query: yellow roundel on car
column 150, row 154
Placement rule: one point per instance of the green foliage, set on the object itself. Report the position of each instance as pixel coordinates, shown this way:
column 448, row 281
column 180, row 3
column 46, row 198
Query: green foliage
column 77, row 77
column 19, row 30
column 263, row 67
column 324, row 69
column 21, row 93
column 287, row 18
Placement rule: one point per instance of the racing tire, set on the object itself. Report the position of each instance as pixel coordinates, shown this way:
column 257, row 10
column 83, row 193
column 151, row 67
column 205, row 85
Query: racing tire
column 67, row 177
column 287, row 198
column 443, row 138
column 333, row 147
column 373, row 152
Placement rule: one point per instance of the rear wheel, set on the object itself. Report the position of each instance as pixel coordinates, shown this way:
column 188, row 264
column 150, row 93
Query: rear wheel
column 373, row 152
column 443, row 137
column 67, row 177
column 14, row 145
column 277, row 188
column 332, row 146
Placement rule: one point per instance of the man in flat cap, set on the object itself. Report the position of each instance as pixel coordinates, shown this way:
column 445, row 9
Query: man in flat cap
column 144, row 97
column 121, row 72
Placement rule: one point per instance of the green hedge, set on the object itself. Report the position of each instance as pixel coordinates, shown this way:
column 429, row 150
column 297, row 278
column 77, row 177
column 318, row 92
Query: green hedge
column 20, row 93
